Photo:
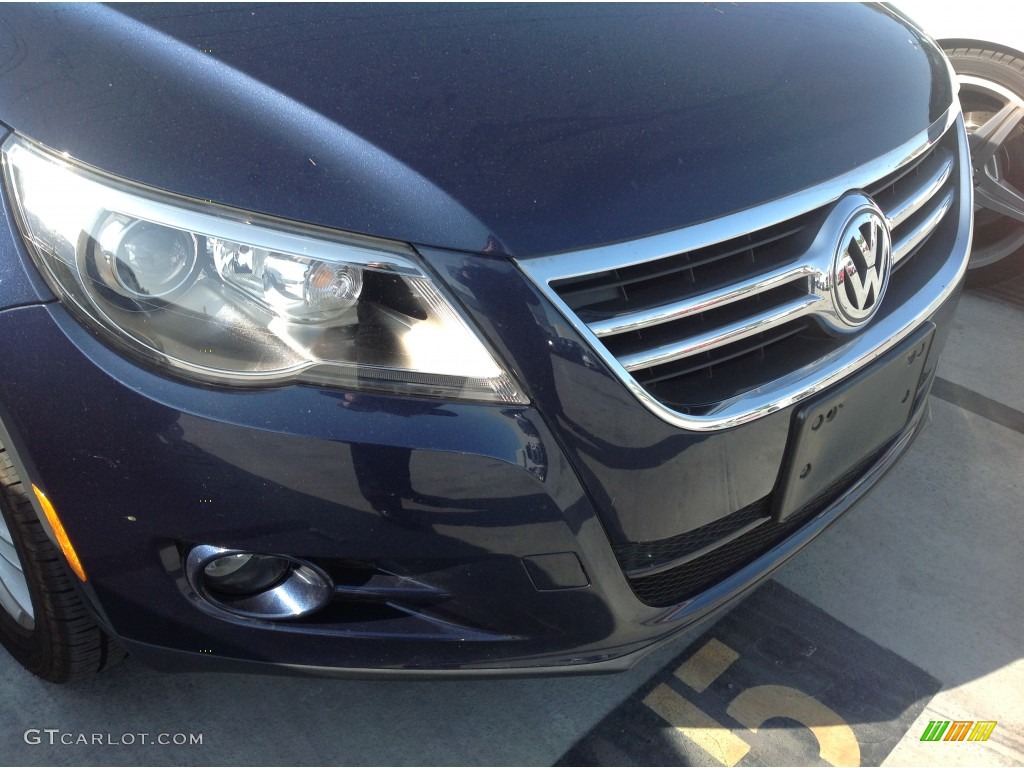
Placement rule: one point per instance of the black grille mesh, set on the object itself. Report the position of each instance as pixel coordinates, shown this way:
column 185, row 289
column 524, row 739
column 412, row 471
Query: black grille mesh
column 643, row 554
column 692, row 578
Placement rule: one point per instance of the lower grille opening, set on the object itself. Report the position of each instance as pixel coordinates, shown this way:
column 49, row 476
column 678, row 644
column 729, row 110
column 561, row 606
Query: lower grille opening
column 639, row 555
column 690, row 579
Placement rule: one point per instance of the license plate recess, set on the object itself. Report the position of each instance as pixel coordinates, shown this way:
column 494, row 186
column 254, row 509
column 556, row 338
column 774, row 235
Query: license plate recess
column 832, row 433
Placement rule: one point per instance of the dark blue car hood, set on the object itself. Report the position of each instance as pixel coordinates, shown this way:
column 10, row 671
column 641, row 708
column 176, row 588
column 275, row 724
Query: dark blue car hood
column 526, row 130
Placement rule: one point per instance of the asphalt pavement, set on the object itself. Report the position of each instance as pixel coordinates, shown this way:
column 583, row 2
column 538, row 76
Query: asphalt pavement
column 906, row 615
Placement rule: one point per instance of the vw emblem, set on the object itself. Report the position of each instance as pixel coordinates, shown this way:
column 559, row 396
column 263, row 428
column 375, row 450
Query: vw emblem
column 861, row 265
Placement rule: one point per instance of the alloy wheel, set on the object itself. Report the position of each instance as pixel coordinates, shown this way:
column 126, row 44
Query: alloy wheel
column 14, row 594
column 994, row 117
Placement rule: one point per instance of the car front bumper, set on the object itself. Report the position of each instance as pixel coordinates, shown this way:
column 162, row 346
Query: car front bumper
column 440, row 512
column 462, row 538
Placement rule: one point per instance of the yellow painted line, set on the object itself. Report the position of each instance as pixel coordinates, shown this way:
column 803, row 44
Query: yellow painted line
column 704, row 667
column 836, row 740
column 694, row 724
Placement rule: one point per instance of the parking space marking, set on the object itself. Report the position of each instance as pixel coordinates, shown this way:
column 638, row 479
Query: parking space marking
column 690, row 721
column 706, row 665
column 752, row 708
column 756, row 706
column 978, row 404
column 777, row 681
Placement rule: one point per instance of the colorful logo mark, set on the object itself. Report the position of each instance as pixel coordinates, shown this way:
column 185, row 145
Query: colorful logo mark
column 958, row 730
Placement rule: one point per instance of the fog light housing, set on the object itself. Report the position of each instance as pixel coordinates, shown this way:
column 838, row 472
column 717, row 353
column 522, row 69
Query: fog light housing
column 244, row 574
column 258, row 586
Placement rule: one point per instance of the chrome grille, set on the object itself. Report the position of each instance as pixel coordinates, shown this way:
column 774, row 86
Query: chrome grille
column 693, row 330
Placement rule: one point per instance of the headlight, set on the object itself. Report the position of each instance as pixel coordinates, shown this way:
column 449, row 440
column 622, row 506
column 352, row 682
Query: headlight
column 240, row 299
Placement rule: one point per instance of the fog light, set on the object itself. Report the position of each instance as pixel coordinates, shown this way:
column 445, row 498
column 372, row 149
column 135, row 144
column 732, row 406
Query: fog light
column 244, row 574
column 257, row 585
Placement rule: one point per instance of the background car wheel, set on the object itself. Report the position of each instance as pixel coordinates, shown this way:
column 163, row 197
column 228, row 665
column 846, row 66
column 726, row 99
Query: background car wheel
column 44, row 623
column 992, row 96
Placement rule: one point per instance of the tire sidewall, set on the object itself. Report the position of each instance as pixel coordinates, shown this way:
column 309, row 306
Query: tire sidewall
column 31, row 647
column 999, row 70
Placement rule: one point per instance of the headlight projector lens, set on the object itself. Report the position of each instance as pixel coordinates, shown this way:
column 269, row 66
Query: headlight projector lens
column 143, row 260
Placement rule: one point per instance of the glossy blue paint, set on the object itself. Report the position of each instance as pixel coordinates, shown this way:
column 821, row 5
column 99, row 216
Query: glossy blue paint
column 135, row 474
column 649, row 479
column 480, row 127
column 472, row 132
column 139, row 465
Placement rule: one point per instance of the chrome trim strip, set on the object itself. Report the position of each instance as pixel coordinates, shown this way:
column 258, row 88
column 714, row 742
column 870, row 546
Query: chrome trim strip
column 911, row 202
column 559, row 266
column 862, row 349
column 702, row 303
column 807, row 266
column 723, row 334
column 817, row 298
column 910, row 240
column 903, row 208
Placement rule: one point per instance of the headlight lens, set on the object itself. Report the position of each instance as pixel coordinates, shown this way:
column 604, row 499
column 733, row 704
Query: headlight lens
column 239, row 299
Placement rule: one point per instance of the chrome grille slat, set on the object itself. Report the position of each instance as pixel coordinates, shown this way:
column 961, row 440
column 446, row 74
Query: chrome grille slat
column 697, row 304
column 723, row 314
column 899, row 210
column 939, row 167
column 652, row 376
column 909, row 240
column 571, row 289
column 735, row 331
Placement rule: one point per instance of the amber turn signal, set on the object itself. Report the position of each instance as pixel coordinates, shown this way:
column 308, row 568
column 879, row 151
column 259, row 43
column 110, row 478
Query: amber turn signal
column 60, row 533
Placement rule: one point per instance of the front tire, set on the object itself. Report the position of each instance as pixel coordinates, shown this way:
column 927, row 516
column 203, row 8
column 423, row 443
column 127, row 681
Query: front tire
column 992, row 97
column 44, row 622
